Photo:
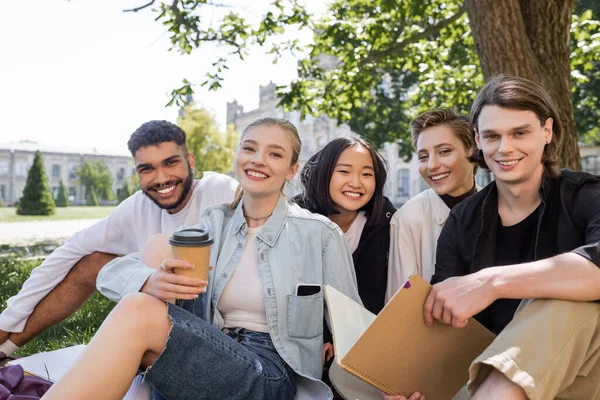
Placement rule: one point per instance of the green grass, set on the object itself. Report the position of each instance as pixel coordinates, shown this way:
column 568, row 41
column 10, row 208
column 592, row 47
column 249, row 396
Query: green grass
column 15, row 267
column 9, row 214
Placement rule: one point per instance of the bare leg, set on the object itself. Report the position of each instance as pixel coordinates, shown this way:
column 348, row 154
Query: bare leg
column 64, row 300
column 498, row 386
column 155, row 250
column 135, row 333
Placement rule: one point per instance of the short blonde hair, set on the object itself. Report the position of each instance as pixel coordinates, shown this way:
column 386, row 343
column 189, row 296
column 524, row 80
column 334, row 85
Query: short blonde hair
column 459, row 124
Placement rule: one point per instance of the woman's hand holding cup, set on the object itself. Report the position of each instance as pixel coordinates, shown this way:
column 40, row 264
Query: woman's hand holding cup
column 164, row 284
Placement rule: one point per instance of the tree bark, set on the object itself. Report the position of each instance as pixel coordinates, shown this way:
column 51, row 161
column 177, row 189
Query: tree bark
column 530, row 39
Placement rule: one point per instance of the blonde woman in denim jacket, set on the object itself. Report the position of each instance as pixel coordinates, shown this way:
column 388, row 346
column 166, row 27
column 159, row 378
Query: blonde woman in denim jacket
column 187, row 356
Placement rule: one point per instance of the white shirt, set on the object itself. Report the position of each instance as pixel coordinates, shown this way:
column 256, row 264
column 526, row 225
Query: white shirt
column 242, row 303
column 414, row 231
column 124, row 231
column 354, row 233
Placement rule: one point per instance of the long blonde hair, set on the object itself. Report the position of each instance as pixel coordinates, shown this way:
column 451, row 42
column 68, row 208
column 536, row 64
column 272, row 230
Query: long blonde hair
column 288, row 127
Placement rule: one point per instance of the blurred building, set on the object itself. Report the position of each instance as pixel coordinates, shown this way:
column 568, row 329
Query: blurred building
column 60, row 163
column 403, row 180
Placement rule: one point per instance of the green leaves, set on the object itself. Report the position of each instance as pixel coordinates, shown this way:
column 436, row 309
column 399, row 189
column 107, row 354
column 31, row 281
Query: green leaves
column 213, row 150
column 97, row 180
column 373, row 64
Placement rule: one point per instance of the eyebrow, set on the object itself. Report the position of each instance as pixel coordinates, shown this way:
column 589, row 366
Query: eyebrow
column 272, row 145
column 350, row 165
column 165, row 161
column 516, row 128
column 437, row 146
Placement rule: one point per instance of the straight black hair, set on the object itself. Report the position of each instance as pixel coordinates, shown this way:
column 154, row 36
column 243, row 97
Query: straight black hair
column 317, row 173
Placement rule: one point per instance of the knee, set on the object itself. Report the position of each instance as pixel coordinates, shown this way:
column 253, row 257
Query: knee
column 140, row 310
column 86, row 270
column 155, row 250
column 562, row 310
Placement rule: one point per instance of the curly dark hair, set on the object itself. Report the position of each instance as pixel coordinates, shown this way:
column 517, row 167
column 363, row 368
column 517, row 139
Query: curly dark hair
column 156, row 132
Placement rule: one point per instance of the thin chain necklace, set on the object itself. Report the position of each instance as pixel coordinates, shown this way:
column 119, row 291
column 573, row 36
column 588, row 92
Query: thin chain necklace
column 350, row 223
column 257, row 218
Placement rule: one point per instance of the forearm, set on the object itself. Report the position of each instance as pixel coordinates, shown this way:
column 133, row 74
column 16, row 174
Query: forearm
column 567, row 276
column 121, row 276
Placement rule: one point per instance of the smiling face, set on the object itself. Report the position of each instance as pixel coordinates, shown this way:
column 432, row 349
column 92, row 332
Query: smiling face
column 264, row 161
column 165, row 174
column 512, row 143
column 352, row 183
column 443, row 161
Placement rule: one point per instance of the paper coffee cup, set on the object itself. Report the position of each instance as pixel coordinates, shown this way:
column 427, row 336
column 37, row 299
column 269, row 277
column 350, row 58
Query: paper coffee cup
column 193, row 246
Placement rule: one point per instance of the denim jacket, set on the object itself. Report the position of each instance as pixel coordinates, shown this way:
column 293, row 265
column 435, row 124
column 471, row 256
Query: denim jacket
column 293, row 247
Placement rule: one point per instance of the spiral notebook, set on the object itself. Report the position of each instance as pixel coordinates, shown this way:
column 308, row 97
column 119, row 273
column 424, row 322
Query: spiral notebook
column 396, row 352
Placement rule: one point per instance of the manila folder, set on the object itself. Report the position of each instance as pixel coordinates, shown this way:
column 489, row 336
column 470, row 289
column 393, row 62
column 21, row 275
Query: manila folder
column 396, row 352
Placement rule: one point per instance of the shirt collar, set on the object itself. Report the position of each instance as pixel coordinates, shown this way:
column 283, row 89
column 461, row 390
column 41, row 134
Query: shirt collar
column 440, row 209
column 271, row 229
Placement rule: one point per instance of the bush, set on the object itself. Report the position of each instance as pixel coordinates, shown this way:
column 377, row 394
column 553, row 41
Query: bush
column 62, row 198
column 124, row 192
column 37, row 197
column 91, row 198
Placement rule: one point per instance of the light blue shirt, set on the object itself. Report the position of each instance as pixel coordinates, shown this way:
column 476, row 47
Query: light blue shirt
column 293, row 247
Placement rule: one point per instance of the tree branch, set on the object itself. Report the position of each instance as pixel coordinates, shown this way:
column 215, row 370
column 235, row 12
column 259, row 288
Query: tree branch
column 431, row 30
column 140, row 7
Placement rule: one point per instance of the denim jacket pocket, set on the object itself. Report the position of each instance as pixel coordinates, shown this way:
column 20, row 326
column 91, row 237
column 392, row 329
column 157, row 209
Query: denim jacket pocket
column 305, row 316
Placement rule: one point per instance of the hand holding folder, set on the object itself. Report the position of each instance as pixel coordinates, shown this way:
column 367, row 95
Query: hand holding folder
column 395, row 351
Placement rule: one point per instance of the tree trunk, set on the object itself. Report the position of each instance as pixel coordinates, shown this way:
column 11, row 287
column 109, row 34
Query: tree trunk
column 530, row 39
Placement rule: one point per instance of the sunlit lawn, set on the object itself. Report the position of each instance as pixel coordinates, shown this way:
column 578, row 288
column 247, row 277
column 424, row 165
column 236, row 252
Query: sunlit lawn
column 15, row 266
column 9, row 214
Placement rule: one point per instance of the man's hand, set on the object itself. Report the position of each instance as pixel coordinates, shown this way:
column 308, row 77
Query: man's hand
column 414, row 396
column 165, row 284
column 3, row 336
column 456, row 299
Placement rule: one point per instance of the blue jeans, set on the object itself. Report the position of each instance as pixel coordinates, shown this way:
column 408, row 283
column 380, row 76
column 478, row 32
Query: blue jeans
column 201, row 362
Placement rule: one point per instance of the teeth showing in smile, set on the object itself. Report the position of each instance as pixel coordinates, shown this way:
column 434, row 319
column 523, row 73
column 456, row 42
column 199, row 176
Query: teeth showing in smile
column 166, row 190
column 508, row 163
column 352, row 194
column 256, row 174
column 440, row 176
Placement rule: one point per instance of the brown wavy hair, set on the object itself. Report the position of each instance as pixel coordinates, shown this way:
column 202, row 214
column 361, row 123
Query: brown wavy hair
column 458, row 124
column 520, row 94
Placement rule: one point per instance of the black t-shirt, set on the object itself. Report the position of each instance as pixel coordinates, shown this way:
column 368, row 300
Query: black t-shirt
column 515, row 244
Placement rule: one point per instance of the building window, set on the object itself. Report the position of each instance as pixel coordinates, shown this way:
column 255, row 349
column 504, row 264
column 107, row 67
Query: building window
column 591, row 164
column 73, row 172
column 3, row 168
column 121, row 174
column 404, row 182
column 56, row 171
column 3, row 193
column 72, row 193
column 21, row 169
column 483, row 177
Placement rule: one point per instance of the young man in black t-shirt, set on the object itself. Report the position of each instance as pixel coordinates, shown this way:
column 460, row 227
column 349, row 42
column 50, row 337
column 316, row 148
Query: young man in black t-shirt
column 532, row 234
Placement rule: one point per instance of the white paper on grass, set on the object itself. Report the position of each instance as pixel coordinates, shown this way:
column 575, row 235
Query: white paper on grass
column 53, row 365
